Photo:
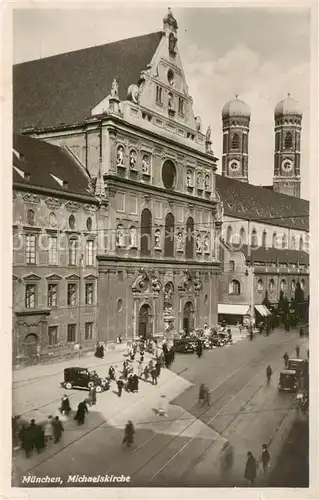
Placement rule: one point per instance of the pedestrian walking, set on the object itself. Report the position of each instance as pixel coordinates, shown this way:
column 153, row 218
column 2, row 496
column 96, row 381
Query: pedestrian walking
column 57, row 429
column 129, row 432
column 265, row 457
column 201, row 395
column 135, row 383
column 162, row 406
column 48, row 430
column 250, row 468
column 158, row 368
column 81, row 412
column 26, row 440
column 38, row 436
column 92, row 396
column 207, row 396
column 301, row 332
column 199, row 349
column 286, row 359
column 146, row 372
column 112, row 373
column 227, row 458
column 65, row 405
column 154, row 376
column 268, row 373
column 120, row 385
column 297, row 350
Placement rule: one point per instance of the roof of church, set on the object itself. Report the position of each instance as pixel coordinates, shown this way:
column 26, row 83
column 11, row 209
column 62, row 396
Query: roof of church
column 249, row 202
column 268, row 255
column 64, row 88
column 47, row 166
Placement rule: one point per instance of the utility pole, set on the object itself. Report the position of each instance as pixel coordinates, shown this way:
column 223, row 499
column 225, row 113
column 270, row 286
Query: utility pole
column 80, row 296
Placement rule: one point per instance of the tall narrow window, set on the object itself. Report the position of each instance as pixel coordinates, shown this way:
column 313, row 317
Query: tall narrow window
column 89, row 291
column 264, row 242
column 301, row 245
column 89, row 253
column 52, row 295
column 72, row 252
column 71, row 333
column 253, row 239
column 234, row 287
column 274, row 240
column 169, row 236
column 30, row 249
column 181, row 106
column 189, row 247
column 53, row 251
column 293, row 243
column 159, row 95
column 277, row 141
column 283, row 285
column 146, row 232
column 232, row 265
column 243, row 236
column 53, row 335
column 235, row 142
column 72, row 291
column 88, row 331
column 229, row 234
column 284, row 241
column 30, row 217
column 30, row 291
column 288, row 140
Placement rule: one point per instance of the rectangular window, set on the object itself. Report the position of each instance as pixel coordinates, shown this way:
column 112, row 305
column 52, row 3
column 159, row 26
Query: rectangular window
column 52, row 295
column 71, row 333
column 159, row 94
column 30, row 248
column 88, row 331
column 72, row 290
column 30, row 291
column 89, row 253
column 53, row 335
column 72, row 252
column 89, row 291
column 53, row 251
column 181, row 106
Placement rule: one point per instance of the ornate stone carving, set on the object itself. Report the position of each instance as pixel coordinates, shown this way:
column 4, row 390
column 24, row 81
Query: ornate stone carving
column 120, row 156
column 115, row 89
column 156, row 284
column 172, row 41
column 133, row 159
column 189, row 179
column 140, row 283
column 133, row 94
column 198, row 122
column 132, row 237
column 72, row 206
column 185, row 283
column 220, row 212
column 168, row 293
column 180, row 242
column 206, row 243
column 199, row 244
column 199, row 181
column 145, row 164
column 197, row 285
column 157, row 239
column 207, row 183
column 120, row 236
column 90, row 209
column 208, row 134
column 31, row 198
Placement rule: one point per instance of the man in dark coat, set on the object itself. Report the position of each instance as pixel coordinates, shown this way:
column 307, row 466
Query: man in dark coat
column 250, row 468
column 135, row 382
column 286, row 359
column 154, row 376
column 26, row 440
column 57, row 429
column 65, row 405
column 38, row 437
column 265, row 457
column 129, row 434
column 199, row 348
column 120, row 385
column 81, row 411
column 112, row 373
column 158, row 367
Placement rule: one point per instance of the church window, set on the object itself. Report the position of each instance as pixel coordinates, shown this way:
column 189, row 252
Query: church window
column 242, row 236
column 293, row 243
column 181, row 106
column 72, row 221
column 260, row 285
column 234, row 287
column 235, row 142
column 159, row 95
column 271, row 286
column 30, row 217
column 264, row 242
column 288, row 141
column 229, row 234
column 301, row 245
column 146, row 232
column 254, row 240
column 169, row 236
column 284, row 241
column 232, row 265
column 189, row 247
column 274, row 240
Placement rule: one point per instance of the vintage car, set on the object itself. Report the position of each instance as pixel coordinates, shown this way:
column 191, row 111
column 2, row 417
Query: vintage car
column 298, row 365
column 183, row 345
column 76, row 377
column 288, row 381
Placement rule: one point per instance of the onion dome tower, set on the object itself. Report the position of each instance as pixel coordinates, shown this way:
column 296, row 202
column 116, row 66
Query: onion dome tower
column 236, row 119
column 288, row 118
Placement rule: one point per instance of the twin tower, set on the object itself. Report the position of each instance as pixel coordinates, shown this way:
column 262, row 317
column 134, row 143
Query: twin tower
column 288, row 117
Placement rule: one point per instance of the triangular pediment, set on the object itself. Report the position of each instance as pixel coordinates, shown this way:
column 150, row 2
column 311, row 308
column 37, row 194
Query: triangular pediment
column 90, row 277
column 72, row 277
column 31, row 277
column 53, row 277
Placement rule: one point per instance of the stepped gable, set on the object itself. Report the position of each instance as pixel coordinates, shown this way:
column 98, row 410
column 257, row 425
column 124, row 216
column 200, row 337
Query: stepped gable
column 246, row 201
column 64, row 88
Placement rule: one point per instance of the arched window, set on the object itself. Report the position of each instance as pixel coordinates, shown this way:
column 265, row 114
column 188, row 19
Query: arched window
column 72, row 221
column 260, row 285
column 232, row 265
column 234, row 287
column 264, row 241
column 301, row 245
column 293, row 243
column 254, row 239
column 274, row 240
column 284, row 241
column 283, row 285
column 288, row 141
column 235, row 142
column 293, row 286
column 169, row 236
column 302, row 284
column 146, row 232
column 271, row 286
column 243, row 236
column 229, row 234
column 189, row 247
column 30, row 217
column 89, row 223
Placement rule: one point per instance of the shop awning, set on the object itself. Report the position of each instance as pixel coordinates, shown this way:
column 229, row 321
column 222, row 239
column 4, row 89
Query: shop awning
column 263, row 310
column 237, row 309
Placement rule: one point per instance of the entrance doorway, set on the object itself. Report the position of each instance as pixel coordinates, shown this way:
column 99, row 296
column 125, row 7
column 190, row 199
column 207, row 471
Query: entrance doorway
column 188, row 317
column 30, row 347
column 145, row 325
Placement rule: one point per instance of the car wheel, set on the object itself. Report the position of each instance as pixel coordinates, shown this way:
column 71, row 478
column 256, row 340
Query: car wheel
column 98, row 388
column 68, row 385
column 90, row 384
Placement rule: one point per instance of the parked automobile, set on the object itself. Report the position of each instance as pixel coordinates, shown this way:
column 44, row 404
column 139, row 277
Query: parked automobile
column 288, row 381
column 298, row 365
column 75, row 377
column 183, row 345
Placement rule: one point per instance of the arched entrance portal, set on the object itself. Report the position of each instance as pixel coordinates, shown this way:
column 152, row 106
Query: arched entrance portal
column 188, row 317
column 145, row 325
column 30, row 347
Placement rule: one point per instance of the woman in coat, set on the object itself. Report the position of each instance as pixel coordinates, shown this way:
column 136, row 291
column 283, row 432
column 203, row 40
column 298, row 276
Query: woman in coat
column 250, row 468
column 81, row 411
column 65, row 405
column 129, row 434
column 57, row 429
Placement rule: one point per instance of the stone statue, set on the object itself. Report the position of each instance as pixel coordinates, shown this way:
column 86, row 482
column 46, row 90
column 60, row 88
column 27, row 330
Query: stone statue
column 206, row 243
column 198, row 124
column 120, row 237
column 208, row 134
column 189, row 181
column 115, row 89
column 179, row 242
column 133, row 94
column 157, row 238
column 133, row 159
column 120, row 156
column 198, row 243
column 132, row 237
column 207, row 182
column 170, row 100
column 220, row 212
column 145, row 164
column 199, row 180
column 197, row 285
column 156, row 284
column 168, row 292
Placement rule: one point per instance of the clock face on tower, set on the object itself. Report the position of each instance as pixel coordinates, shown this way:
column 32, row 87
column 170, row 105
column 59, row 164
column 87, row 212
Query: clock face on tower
column 287, row 165
column 234, row 165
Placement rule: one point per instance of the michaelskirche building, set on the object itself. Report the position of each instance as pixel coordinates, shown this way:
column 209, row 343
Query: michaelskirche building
column 265, row 249
column 128, row 169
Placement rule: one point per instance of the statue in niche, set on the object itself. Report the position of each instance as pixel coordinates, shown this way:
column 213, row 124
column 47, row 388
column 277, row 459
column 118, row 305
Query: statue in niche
column 156, row 284
column 199, row 180
column 170, row 100
column 120, row 156
column 207, row 182
column 172, row 43
column 132, row 237
column 145, row 164
column 198, row 124
column 179, row 242
column 220, row 212
column 197, row 285
column 133, row 159
column 189, row 179
column 168, row 294
column 120, row 237
column 198, row 243
column 206, row 243
column 115, row 89
column 157, row 237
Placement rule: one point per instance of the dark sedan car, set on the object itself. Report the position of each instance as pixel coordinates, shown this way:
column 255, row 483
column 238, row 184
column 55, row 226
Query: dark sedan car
column 76, row 377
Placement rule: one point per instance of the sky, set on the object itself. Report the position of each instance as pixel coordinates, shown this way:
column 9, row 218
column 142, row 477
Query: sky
column 260, row 54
